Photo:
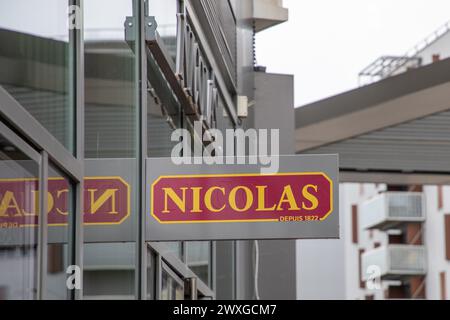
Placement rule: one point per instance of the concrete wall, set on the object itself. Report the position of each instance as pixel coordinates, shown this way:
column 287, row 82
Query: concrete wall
column 274, row 109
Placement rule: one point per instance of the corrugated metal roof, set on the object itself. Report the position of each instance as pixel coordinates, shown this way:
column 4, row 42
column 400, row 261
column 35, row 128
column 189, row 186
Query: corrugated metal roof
column 422, row 145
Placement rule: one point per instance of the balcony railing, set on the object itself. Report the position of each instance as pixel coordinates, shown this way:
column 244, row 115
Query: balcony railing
column 388, row 210
column 394, row 262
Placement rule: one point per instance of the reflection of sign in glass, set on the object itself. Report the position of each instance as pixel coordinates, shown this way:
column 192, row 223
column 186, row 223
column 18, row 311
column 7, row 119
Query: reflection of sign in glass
column 106, row 201
column 287, row 197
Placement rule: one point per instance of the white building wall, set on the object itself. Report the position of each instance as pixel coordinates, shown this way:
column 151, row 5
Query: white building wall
column 321, row 266
column 349, row 196
column 329, row 269
column 357, row 194
column 440, row 47
column 435, row 241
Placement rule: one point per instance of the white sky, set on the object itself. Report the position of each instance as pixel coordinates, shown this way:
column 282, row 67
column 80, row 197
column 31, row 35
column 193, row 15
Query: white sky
column 326, row 43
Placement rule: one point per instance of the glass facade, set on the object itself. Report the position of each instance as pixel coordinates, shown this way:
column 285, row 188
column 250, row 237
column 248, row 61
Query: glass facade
column 36, row 62
column 41, row 172
column 111, row 122
column 19, row 185
column 60, row 211
column 73, row 145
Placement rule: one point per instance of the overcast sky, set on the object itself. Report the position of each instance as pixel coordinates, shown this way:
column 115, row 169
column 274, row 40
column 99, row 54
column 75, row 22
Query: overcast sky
column 326, row 43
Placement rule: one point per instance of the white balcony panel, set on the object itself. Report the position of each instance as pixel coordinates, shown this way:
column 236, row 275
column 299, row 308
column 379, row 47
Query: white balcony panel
column 268, row 13
column 395, row 261
column 387, row 210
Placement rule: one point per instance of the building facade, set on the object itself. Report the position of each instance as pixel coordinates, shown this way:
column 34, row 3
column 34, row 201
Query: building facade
column 395, row 231
column 88, row 91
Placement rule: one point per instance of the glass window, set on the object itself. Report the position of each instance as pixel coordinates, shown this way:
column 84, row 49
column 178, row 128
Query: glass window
column 60, row 210
column 172, row 287
column 151, row 275
column 110, row 85
column 161, row 124
column 19, row 210
column 164, row 12
column 111, row 131
column 198, row 259
column 225, row 270
column 175, row 248
column 34, row 59
column 109, row 270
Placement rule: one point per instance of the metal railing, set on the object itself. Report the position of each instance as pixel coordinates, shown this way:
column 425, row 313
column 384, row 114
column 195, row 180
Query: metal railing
column 387, row 66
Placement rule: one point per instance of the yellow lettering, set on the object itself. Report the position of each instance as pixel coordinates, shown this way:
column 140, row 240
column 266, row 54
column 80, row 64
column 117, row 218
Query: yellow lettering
column 208, row 197
column 58, row 194
column 249, row 198
column 288, row 197
column 35, row 202
column 108, row 194
column 310, row 197
column 50, row 204
column 196, row 199
column 262, row 199
column 9, row 202
column 179, row 202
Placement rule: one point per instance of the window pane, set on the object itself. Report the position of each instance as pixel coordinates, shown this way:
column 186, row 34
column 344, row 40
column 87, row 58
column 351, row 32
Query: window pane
column 35, row 62
column 151, row 275
column 110, row 81
column 19, row 210
column 172, row 287
column 225, row 270
column 198, row 258
column 175, row 248
column 111, row 122
column 111, row 116
column 109, row 270
column 60, row 213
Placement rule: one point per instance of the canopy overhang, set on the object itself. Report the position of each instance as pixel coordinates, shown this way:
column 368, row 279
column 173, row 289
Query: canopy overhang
column 396, row 130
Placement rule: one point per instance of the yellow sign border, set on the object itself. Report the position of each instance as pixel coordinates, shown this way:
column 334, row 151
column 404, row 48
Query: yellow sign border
column 86, row 178
column 238, row 175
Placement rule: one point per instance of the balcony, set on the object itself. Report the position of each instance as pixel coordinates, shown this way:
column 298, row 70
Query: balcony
column 268, row 13
column 389, row 210
column 395, row 262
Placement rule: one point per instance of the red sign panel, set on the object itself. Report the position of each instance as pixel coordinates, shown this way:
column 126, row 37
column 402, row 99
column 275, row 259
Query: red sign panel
column 287, row 197
column 106, row 201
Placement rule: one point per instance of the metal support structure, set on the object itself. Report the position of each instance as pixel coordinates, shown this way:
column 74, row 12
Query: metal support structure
column 158, row 271
column 178, row 266
column 190, row 84
column 190, row 288
column 27, row 126
column 140, row 9
column 229, row 100
column 386, row 66
column 42, row 227
column 76, row 238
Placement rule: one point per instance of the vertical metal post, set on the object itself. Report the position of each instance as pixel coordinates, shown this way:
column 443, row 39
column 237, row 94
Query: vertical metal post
column 191, row 290
column 141, row 63
column 158, row 278
column 76, row 239
column 42, row 225
column 212, row 279
column 184, row 252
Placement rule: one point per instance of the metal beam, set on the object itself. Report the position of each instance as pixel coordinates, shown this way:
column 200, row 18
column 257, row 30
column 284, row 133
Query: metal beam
column 24, row 123
column 394, row 178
